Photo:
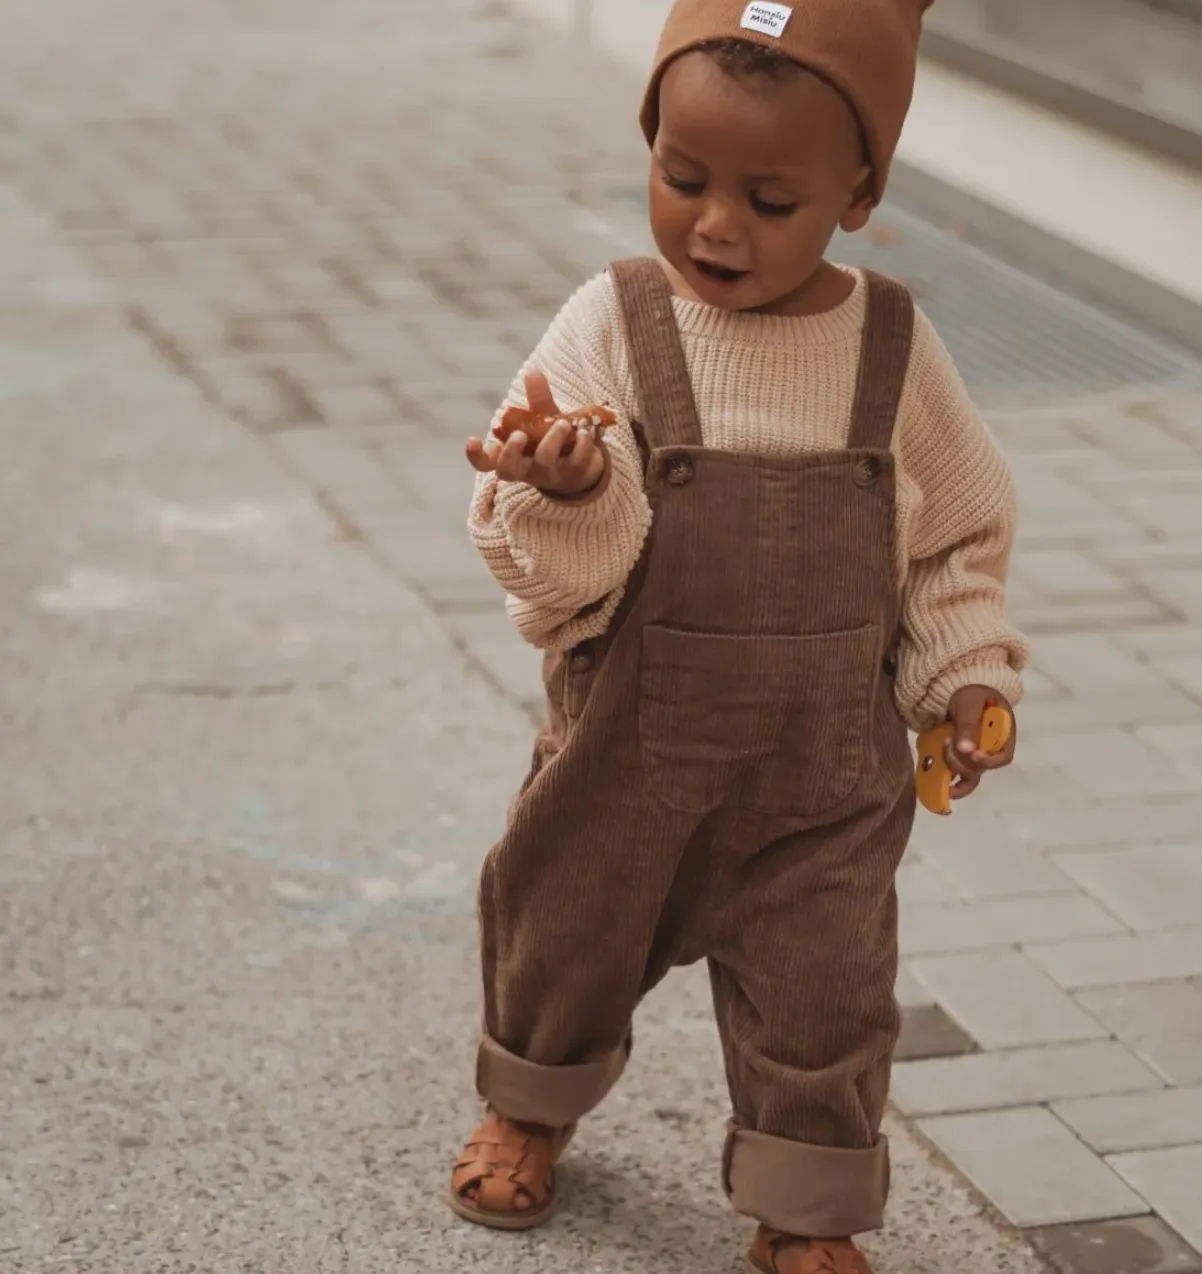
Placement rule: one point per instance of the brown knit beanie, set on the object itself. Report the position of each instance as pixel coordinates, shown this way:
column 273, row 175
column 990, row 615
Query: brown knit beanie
column 867, row 49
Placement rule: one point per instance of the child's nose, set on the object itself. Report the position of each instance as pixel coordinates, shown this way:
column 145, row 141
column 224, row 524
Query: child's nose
column 717, row 222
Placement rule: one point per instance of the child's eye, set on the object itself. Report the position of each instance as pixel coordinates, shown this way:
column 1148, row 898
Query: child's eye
column 766, row 209
column 685, row 187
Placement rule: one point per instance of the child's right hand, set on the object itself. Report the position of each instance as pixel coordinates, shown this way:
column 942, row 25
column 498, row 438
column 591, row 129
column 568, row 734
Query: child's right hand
column 548, row 469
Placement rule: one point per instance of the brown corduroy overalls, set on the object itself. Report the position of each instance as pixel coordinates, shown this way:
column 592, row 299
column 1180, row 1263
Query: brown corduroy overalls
column 724, row 775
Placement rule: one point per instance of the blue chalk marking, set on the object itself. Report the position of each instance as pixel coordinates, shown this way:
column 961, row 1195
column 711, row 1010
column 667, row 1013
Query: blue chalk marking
column 426, row 888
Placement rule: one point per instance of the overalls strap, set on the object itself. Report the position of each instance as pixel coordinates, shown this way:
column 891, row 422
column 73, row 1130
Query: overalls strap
column 661, row 376
column 884, row 361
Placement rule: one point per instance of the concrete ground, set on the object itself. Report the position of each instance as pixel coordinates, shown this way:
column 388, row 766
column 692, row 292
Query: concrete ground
column 263, row 266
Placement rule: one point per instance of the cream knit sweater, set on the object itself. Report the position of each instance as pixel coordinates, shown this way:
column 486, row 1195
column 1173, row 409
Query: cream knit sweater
column 776, row 386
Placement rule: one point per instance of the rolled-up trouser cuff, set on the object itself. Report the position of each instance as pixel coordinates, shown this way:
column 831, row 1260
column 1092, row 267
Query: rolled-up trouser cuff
column 556, row 1096
column 816, row 1191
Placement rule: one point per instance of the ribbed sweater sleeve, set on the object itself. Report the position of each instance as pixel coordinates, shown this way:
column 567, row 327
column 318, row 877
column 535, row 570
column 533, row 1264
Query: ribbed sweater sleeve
column 564, row 565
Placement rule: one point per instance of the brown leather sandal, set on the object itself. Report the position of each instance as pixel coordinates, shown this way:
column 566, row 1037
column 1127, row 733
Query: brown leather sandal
column 505, row 1178
column 776, row 1253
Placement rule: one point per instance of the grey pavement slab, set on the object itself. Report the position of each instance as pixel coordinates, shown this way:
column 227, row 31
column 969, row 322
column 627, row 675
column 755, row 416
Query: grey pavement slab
column 1136, row 1121
column 1171, row 1180
column 1146, row 887
column 935, row 928
column 1033, row 1168
column 1020, row 1077
column 1003, row 1000
column 1142, row 957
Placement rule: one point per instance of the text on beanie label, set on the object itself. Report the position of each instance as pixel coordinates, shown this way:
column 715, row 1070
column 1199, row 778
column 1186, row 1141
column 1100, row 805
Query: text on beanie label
column 767, row 19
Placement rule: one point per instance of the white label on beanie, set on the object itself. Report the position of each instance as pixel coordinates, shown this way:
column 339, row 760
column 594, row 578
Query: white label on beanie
column 768, row 19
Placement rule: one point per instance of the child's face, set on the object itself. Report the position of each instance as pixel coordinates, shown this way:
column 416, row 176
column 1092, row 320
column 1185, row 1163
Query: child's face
column 750, row 179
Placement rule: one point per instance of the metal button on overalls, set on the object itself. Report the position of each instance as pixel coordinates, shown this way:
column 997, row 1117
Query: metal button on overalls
column 679, row 471
column 581, row 659
column 867, row 471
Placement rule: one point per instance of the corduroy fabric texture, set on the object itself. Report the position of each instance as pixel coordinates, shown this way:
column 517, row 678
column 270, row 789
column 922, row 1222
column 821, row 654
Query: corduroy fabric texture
column 724, row 776
column 867, row 49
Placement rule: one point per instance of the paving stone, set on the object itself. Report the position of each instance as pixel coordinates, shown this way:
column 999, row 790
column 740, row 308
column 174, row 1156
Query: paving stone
column 919, row 884
column 1037, row 615
column 1179, row 590
column 1146, row 957
column 1137, row 1245
column 1027, row 785
column 444, row 567
column 1161, row 1022
column 1171, row 1181
column 1032, row 1168
column 988, row 871
column 1038, row 685
column 910, row 993
column 358, row 404
column 1175, row 1052
column 940, row 840
column 1137, row 1010
column 431, row 470
column 1084, row 825
column 1182, row 743
column 927, row 1031
column 1069, row 573
column 934, row 928
column 1003, row 1000
column 1137, row 447
column 1090, row 663
column 491, row 637
column 330, row 463
column 1057, row 513
column 1173, row 515
column 1136, row 1121
column 1112, row 764
column 1184, row 672
column 1153, row 887
column 1018, row 1077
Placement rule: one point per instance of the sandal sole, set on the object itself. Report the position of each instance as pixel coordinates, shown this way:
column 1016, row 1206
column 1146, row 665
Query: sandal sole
column 510, row 1222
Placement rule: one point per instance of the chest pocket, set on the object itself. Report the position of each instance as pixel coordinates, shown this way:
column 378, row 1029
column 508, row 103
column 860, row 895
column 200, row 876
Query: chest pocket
column 775, row 725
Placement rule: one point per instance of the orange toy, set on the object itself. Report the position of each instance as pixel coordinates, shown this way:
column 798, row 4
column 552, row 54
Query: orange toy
column 536, row 426
column 933, row 781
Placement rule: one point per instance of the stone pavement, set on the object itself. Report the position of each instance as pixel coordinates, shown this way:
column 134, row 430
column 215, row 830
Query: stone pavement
column 264, row 265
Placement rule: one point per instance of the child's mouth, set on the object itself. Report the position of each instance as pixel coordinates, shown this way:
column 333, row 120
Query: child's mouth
column 719, row 273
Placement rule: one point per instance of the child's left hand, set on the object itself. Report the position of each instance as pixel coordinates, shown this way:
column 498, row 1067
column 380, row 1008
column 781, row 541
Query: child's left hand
column 967, row 762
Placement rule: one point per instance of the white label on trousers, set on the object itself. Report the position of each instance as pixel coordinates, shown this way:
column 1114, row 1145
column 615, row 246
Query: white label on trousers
column 768, row 19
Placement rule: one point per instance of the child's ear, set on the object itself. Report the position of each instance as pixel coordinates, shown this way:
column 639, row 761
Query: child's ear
column 863, row 203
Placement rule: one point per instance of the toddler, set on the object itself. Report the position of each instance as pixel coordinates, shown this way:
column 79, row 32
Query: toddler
column 790, row 546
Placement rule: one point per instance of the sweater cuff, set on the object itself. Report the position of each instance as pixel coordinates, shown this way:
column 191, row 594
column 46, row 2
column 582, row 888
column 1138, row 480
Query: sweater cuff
column 933, row 708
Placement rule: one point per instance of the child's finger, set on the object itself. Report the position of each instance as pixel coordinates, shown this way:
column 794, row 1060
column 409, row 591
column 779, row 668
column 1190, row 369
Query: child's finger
column 512, row 462
column 539, row 397
column 968, row 733
column 965, row 786
column 550, row 451
column 582, row 459
column 479, row 456
column 963, row 767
